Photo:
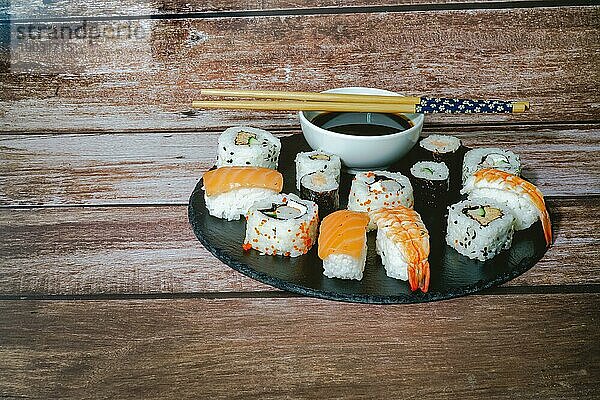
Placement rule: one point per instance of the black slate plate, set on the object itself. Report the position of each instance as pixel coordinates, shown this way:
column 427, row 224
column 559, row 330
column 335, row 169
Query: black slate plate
column 452, row 274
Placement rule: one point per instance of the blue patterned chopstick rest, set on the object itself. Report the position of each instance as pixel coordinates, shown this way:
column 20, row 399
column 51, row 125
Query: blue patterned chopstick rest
column 447, row 105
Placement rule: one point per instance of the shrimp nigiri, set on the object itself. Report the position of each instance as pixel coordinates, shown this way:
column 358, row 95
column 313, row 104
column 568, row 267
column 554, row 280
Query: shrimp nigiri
column 403, row 244
column 523, row 198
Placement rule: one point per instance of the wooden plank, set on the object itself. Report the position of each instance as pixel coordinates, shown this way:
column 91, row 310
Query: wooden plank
column 146, row 79
column 153, row 168
column 137, row 8
column 502, row 347
column 149, row 250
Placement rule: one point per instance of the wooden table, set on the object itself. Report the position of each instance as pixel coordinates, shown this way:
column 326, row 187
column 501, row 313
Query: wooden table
column 106, row 293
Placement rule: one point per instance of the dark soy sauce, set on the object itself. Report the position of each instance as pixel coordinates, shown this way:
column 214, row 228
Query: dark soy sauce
column 363, row 124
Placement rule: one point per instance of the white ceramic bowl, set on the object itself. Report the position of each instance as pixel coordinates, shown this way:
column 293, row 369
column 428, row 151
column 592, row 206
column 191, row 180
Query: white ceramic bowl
column 362, row 152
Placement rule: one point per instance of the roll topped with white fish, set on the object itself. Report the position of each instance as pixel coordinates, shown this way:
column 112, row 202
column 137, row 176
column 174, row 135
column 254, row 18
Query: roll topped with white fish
column 282, row 225
column 246, row 146
column 373, row 190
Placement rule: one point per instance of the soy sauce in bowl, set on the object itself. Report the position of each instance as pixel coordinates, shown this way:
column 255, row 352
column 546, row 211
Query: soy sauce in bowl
column 362, row 124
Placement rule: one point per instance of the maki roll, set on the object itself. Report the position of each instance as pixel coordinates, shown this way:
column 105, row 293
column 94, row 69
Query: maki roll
column 403, row 244
column 524, row 199
column 343, row 244
column 446, row 149
column 230, row 191
column 442, row 148
column 285, row 225
column 490, row 157
column 246, row 146
column 373, row 190
column 319, row 160
column 323, row 189
column 479, row 229
column 430, row 183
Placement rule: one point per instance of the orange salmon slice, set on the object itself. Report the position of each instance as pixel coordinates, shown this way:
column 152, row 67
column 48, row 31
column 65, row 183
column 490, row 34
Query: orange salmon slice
column 343, row 232
column 225, row 179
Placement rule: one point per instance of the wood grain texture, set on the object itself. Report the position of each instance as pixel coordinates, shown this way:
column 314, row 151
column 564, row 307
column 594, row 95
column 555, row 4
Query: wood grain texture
column 15, row 9
column 153, row 168
column 501, row 347
column 146, row 80
column 148, row 250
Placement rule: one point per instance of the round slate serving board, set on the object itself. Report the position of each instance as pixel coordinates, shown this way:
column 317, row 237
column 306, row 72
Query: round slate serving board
column 452, row 274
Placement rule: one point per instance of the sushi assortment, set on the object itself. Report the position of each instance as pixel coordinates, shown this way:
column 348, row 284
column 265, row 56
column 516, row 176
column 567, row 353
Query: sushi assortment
column 496, row 203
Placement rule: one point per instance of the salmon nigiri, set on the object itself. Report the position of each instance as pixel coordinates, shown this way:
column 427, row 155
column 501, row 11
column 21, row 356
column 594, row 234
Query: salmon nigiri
column 403, row 244
column 343, row 244
column 523, row 198
column 229, row 192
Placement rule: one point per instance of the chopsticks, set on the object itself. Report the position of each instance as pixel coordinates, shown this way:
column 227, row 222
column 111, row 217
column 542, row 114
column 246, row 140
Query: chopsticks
column 310, row 101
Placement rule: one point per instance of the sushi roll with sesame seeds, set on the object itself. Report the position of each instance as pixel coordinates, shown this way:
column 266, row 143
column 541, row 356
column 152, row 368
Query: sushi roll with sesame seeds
column 246, row 146
column 479, row 229
column 285, row 225
column 373, row 190
column 318, row 160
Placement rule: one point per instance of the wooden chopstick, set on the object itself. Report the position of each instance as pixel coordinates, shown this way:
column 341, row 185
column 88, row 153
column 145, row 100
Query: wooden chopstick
column 310, row 101
column 291, row 105
column 312, row 96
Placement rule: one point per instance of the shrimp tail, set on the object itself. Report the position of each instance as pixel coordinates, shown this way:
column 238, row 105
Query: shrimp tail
column 547, row 227
column 418, row 276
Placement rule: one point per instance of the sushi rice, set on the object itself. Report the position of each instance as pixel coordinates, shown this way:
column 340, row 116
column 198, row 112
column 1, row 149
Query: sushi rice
column 314, row 161
column 283, row 225
column 479, row 228
column 373, row 190
column 247, row 146
column 490, row 157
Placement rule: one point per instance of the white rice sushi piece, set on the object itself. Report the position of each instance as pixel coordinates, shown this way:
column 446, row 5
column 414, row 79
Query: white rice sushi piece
column 373, row 190
column 229, row 192
column 314, row 161
column 247, row 146
column 479, row 228
column 286, row 225
column 343, row 244
column 490, row 157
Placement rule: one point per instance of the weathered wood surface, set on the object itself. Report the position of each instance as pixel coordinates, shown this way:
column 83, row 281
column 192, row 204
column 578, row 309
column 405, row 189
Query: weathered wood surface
column 501, row 347
column 29, row 10
column 142, row 250
column 157, row 168
column 146, row 80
